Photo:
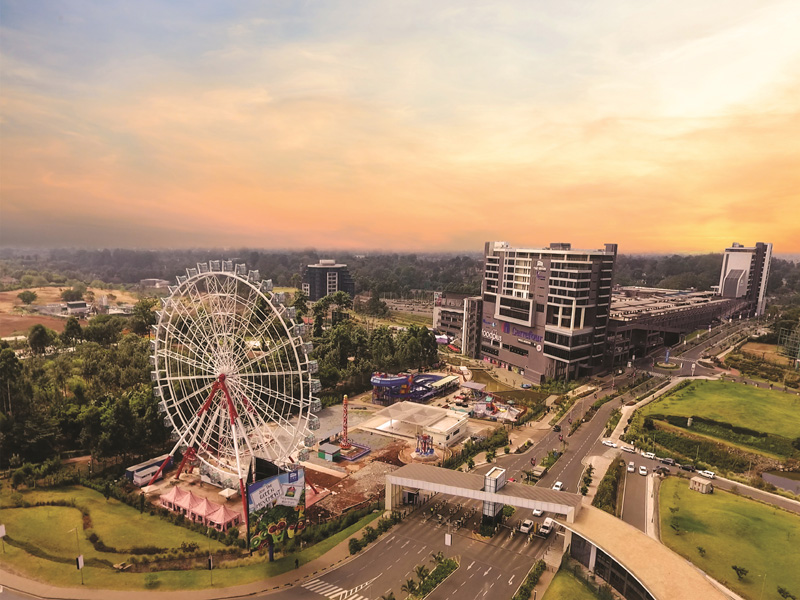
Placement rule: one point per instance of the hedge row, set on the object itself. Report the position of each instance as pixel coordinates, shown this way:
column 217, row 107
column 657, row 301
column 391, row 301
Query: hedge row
column 606, row 497
column 756, row 367
column 370, row 534
column 525, row 590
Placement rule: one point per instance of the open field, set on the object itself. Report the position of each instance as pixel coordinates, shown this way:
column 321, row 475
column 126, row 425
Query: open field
column 15, row 319
column 50, row 530
column 767, row 352
column 52, row 294
column 565, row 586
column 733, row 531
column 740, row 405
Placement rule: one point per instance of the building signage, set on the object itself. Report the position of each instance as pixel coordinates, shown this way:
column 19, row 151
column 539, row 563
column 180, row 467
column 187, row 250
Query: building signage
column 525, row 335
column 491, row 335
column 488, row 322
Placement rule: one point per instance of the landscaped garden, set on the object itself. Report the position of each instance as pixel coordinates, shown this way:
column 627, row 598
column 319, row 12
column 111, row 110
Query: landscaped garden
column 47, row 528
column 733, row 427
column 565, row 586
column 720, row 531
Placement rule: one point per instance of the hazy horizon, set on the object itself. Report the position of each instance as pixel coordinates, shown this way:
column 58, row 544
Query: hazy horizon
column 415, row 126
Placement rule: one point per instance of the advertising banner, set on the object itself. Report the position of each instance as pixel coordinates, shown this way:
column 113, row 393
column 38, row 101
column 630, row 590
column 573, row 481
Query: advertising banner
column 276, row 506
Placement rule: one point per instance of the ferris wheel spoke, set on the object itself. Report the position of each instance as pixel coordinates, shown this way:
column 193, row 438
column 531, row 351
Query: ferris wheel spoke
column 260, row 392
column 188, row 377
column 244, row 367
column 180, row 338
column 185, row 399
column 269, row 373
column 181, row 358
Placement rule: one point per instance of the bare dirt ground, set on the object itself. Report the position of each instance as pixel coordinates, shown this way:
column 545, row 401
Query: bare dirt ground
column 768, row 352
column 19, row 324
column 15, row 319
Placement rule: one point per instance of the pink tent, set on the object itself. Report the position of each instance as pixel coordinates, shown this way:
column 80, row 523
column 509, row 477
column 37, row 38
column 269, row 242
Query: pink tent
column 223, row 518
column 201, row 510
column 170, row 499
column 186, row 502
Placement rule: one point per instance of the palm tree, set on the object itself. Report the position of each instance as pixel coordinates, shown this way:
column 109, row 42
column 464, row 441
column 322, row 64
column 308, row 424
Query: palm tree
column 409, row 587
column 422, row 572
column 389, row 596
column 437, row 558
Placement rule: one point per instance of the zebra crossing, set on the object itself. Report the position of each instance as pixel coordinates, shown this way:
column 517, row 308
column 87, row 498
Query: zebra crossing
column 333, row 592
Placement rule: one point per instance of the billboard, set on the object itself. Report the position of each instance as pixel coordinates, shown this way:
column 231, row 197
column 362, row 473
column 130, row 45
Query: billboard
column 276, row 507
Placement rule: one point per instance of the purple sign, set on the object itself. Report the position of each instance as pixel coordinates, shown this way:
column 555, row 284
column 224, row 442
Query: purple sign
column 525, row 335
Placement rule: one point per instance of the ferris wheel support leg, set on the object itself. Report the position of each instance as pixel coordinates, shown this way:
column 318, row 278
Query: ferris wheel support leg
column 235, row 421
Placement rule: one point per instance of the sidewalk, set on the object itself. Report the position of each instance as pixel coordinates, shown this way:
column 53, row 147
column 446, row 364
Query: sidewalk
column 333, row 559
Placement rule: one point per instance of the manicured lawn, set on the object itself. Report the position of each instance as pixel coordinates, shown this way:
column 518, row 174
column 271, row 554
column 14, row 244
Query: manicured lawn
column 733, row 531
column 741, row 405
column 565, row 586
column 118, row 525
column 50, row 533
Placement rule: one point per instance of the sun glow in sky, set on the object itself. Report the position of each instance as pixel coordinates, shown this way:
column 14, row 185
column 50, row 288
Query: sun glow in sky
column 660, row 126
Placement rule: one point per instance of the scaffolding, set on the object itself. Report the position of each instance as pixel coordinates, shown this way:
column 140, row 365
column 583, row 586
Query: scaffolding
column 789, row 345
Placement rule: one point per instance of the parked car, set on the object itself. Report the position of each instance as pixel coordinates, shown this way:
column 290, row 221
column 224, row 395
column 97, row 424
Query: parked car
column 642, row 470
column 609, row 443
column 546, row 527
column 689, row 468
column 648, row 455
column 556, row 428
column 668, row 461
column 558, row 486
column 538, row 512
column 526, row 526
column 631, row 467
column 661, row 471
column 630, row 449
column 707, row 474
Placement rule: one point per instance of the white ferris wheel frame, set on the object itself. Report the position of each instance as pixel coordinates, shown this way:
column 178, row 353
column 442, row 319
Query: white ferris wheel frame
column 221, row 405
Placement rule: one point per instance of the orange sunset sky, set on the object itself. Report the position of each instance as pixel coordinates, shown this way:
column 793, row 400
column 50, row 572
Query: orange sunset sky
column 662, row 126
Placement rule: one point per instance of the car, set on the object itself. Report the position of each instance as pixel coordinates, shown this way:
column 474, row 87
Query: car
column 546, row 527
column 668, row 461
column 526, row 526
column 609, row 443
column 538, row 512
column 648, row 455
column 707, row 474
column 661, row 471
column 642, row 470
column 631, row 467
column 558, row 486
column 630, row 449
column 689, row 468
column 556, row 428
column 526, row 386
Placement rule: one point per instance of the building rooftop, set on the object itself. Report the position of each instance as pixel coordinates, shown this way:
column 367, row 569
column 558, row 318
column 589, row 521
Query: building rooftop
column 631, row 303
column 665, row 574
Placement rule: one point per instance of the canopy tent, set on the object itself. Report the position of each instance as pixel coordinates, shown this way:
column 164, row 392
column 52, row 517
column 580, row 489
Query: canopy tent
column 222, row 519
column 471, row 385
column 228, row 493
column 170, row 499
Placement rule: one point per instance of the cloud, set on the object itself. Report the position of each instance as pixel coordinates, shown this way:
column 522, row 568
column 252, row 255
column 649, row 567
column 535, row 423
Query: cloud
column 418, row 126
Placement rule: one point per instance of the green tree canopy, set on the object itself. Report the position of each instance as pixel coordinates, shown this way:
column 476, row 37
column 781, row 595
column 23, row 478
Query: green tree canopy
column 27, row 296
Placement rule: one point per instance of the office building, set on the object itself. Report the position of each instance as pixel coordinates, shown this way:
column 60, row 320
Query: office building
column 327, row 277
column 545, row 310
column 745, row 272
column 459, row 316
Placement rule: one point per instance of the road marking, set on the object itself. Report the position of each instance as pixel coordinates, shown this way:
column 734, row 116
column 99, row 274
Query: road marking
column 487, row 571
column 404, row 545
column 510, row 581
column 470, row 565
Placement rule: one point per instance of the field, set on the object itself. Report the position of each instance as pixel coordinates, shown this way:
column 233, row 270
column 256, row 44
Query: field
column 48, row 532
column 743, row 406
column 767, row 352
column 16, row 320
column 565, row 586
column 732, row 531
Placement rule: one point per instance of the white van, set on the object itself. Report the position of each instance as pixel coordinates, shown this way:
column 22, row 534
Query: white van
column 648, row 455
column 707, row 474
column 546, row 527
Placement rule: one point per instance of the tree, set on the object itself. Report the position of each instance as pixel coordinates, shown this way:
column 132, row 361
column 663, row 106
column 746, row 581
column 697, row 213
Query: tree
column 437, row 558
column 741, row 572
column 422, row 572
column 27, row 296
column 701, row 550
column 72, row 332
column 388, row 596
column 10, row 371
column 786, row 594
column 143, row 316
column 300, row 303
column 342, row 300
column 375, row 306
column 40, row 338
column 104, row 329
column 72, row 295
column 409, row 587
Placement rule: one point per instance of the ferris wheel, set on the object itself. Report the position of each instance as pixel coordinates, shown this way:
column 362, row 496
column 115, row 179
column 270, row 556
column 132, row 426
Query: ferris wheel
column 231, row 369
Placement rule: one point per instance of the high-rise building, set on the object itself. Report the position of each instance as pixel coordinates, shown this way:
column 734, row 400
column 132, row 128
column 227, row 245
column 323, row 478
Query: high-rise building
column 545, row 310
column 327, row 277
column 745, row 272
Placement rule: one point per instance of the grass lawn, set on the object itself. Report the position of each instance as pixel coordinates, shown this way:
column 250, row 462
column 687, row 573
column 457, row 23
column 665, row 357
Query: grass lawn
column 565, row 586
column 733, row 531
column 745, row 406
column 50, row 529
column 118, row 525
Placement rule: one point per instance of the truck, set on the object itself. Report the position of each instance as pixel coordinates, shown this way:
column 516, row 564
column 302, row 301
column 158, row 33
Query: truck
column 546, row 527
